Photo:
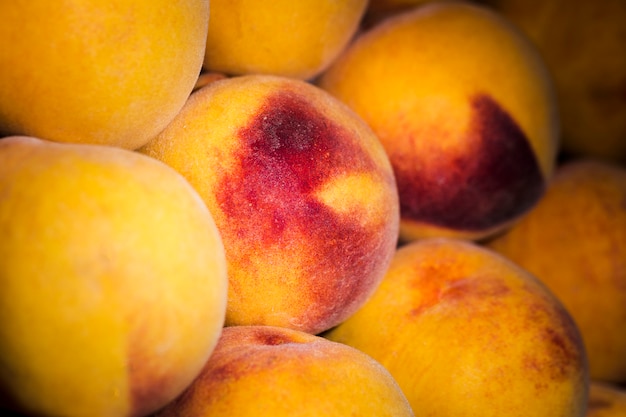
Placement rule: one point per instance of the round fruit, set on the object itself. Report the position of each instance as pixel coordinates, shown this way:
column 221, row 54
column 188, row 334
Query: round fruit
column 465, row 109
column 113, row 280
column 98, row 72
column 296, row 39
column 301, row 190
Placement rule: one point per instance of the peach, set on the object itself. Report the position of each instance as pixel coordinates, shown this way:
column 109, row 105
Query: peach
column 583, row 44
column 301, row 190
column 274, row 371
column 288, row 38
column 575, row 242
column 465, row 109
column 606, row 400
column 466, row 332
column 113, row 280
column 98, row 72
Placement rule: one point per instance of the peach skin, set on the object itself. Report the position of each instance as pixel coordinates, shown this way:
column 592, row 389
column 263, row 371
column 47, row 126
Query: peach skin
column 467, row 333
column 297, row 39
column 575, row 242
column 465, row 109
column 267, row 371
column 301, row 190
column 113, row 278
column 98, row 72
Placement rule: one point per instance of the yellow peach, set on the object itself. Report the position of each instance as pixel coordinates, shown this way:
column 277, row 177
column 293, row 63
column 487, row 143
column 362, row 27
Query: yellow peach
column 575, row 242
column 465, row 333
column 296, row 39
column 274, row 371
column 301, row 190
column 113, row 280
column 98, row 72
column 465, row 109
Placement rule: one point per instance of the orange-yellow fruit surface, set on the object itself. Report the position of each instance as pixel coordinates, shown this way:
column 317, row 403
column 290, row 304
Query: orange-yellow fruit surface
column 113, row 280
column 465, row 109
column 583, row 44
column 466, row 333
column 575, row 242
column 277, row 372
column 301, row 190
column 99, row 71
column 296, row 39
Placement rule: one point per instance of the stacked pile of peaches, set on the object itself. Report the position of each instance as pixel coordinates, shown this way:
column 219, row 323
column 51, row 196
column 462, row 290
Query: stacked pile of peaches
column 305, row 208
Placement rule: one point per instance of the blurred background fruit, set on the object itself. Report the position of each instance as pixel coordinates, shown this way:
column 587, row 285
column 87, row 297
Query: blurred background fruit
column 574, row 241
column 277, row 372
column 583, row 43
column 380, row 9
column 465, row 110
column 606, row 400
column 301, row 190
column 297, row 39
column 113, row 280
column 99, row 72
column 466, row 332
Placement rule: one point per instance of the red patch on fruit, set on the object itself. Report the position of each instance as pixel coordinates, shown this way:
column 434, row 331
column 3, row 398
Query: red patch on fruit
column 564, row 349
column 497, row 181
column 288, row 152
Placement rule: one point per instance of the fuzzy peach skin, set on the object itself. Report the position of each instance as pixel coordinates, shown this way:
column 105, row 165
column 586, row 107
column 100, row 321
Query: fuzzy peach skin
column 583, row 44
column 465, row 109
column 113, row 280
column 575, row 242
column 289, row 38
column 301, row 190
column 467, row 333
column 99, row 72
column 274, row 371
column 606, row 400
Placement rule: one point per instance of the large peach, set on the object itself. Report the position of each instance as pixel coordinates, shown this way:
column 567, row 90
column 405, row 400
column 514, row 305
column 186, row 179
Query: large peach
column 575, row 242
column 100, row 72
column 296, row 39
column 466, row 332
column 278, row 372
column 301, row 190
column 583, row 44
column 465, row 109
column 113, row 278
